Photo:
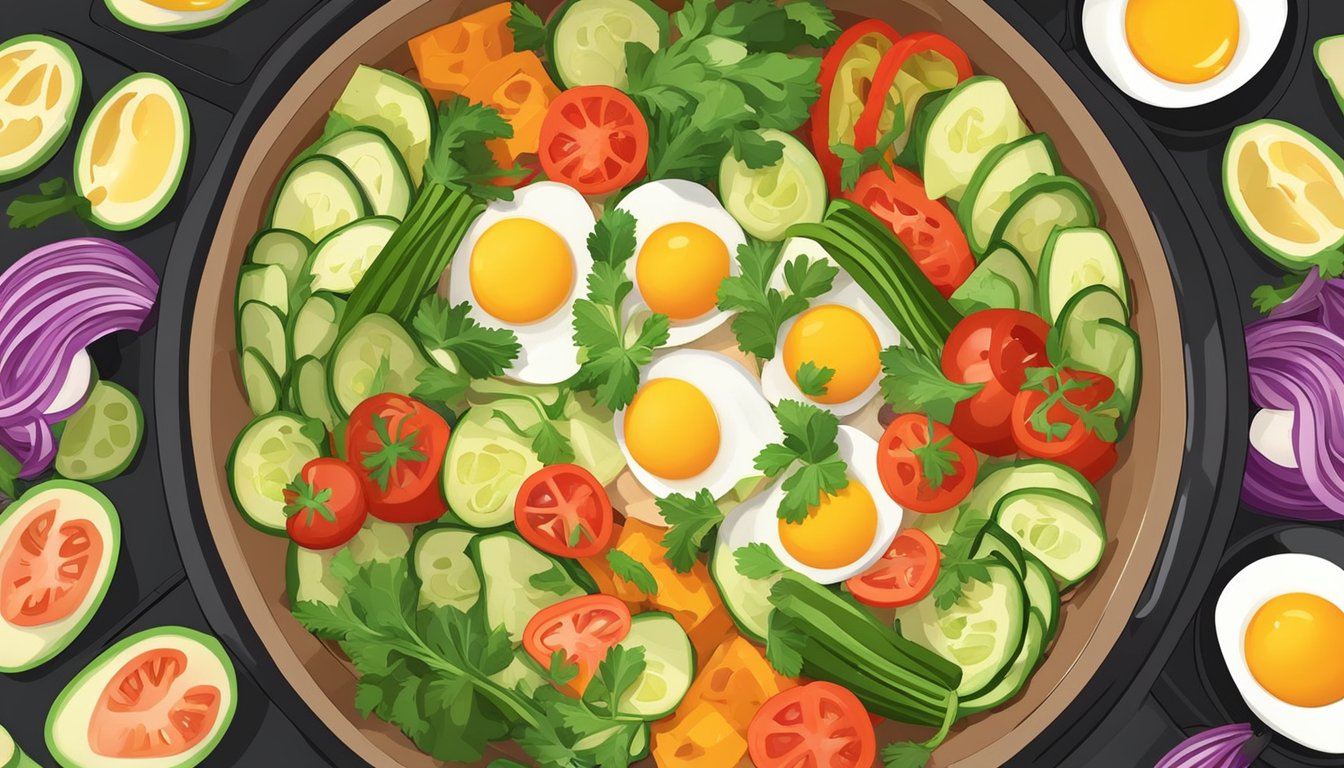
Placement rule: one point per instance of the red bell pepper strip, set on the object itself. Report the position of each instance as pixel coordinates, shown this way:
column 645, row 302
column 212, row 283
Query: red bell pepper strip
column 943, row 65
column 846, row 79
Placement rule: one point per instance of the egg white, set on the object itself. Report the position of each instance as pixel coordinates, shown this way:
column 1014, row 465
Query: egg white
column 655, row 205
column 757, row 520
column 1262, row 25
column 746, row 422
column 548, row 353
column 776, row 382
column 1317, row 728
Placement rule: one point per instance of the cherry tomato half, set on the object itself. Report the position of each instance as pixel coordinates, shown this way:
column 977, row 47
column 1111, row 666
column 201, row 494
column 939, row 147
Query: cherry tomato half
column 1079, row 446
column 994, row 347
column 583, row 628
column 562, row 509
column 594, row 139
column 397, row 444
column 927, row 228
column 818, row 724
column 325, row 504
column 911, row 447
column 903, row 576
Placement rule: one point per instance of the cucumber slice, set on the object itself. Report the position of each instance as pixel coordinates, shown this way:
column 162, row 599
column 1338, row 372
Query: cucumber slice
column 1329, row 54
column 261, row 327
column 977, row 115
column 265, row 283
column 669, row 660
column 443, row 568
column 377, row 166
column 1042, row 594
column 279, row 247
column 911, row 155
column 639, row 744
column 317, row 197
column 376, row 345
column 1109, row 348
column 309, row 392
column 1019, row 672
column 45, row 115
column 1059, row 529
column 1095, row 302
column 314, row 328
column 1041, row 205
column 1027, row 474
column 103, row 437
column 982, row 632
column 260, row 384
column 767, row 201
column 995, row 542
column 1002, row 280
column 991, row 189
column 341, row 259
column 1074, row 259
column 308, row 576
column 511, row 599
column 265, row 457
column 521, row 675
column 747, row 600
column 485, row 466
column 398, row 107
column 587, row 40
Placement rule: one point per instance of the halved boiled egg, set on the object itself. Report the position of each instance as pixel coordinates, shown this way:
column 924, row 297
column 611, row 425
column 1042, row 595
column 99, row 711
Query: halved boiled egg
column 520, row 266
column 697, row 421
column 172, row 15
column 842, row 536
column 685, row 245
column 40, row 80
column 1182, row 53
column 843, row 331
column 1280, row 626
column 133, row 151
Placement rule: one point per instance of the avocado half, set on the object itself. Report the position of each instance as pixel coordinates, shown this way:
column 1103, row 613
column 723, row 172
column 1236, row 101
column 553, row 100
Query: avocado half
column 156, row 18
column 203, row 683
column 25, row 647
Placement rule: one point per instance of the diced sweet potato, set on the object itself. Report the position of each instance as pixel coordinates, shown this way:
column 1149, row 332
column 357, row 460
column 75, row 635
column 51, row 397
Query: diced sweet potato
column 701, row 738
column 448, row 57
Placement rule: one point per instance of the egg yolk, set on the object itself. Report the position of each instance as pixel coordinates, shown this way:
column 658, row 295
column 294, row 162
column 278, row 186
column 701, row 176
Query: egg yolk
column 521, row 271
column 1183, row 41
column 679, row 269
column 671, row 429
column 836, row 532
column 835, row 337
column 1293, row 649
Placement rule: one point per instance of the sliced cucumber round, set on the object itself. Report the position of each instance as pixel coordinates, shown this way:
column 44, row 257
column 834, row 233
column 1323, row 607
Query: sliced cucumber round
column 1076, row 258
column 318, row 196
column 1039, row 207
column 1111, row 348
column 991, row 188
column 376, row 356
column 264, row 459
column 309, row 391
column 1001, row 280
column 377, row 166
column 282, row 248
column 103, row 437
column 266, row 283
column 747, row 600
column 1018, row 673
column 1042, row 594
column 767, row 201
column 341, row 259
column 669, row 660
column 511, row 598
column 398, row 107
column 260, row 384
column 978, row 115
column 314, row 328
column 485, row 466
column 587, row 40
column 261, row 327
column 443, row 567
column 1026, row 474
column 1059, row 529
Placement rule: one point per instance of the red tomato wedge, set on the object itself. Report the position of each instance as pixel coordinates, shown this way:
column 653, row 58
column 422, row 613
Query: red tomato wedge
column 48, row 567
column 152, row 707
column 594, row 139
column 818, row 725
column 582, row 628
column 930, row 61
column 927, row 228
column 846, row 79
column 562, row 509
column 923, row 466
column 903, row 576
column 993, row 347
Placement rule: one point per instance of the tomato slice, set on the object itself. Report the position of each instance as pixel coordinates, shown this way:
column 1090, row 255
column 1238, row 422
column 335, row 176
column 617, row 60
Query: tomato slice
column 594, row 139
column 562, row 509
column 151, row 709
column 993, row 347
column 48, row 569
column 909, row 446
column 846, row 79
column 583, row 628
column 903, row 576
column 818, row 725
column 927, row 228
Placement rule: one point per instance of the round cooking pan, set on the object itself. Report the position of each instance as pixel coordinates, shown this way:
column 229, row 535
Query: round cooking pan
column 1160, row 506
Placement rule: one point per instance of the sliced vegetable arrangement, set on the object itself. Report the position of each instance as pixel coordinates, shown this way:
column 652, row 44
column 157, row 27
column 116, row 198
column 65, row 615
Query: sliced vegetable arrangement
column 618, row 419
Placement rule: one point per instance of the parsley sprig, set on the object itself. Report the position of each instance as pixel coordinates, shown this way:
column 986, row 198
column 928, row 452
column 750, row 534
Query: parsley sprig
column 1100, row 419
column 812, row 380
column 614, row 347
column 478, row 352
column 758, row 561
column 936, row 459
column 393, row 450
column 854, row 162
column 633, row 571
column 762, row 309
column 957, row 565
column 690, row 521
column 590, row 730
column 914, row 382
column 809, row 453
column 309, row 500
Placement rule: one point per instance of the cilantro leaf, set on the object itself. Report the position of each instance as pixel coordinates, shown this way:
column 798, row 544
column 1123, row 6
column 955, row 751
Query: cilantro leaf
column 780, row 88
column 561, row 670
column 817, row 21
column 914, row 382
column 612, row 241
column 854, row 162
column 759, row 24
column 553, row 580
column 805, row 487
column 758, row 561
column 906, row 754
column 459, row 156
column 809, row 445
column 1100, row 419
column 482, row 352
column 550, row 445
column 633, row 571
column 689, row 521
column 1267, row 297
column 812, row 380
column 755, row 151
column 761, row 309
column 784, row 644
column 529, row 31
column 956, row 566
column 695, row 17
column 615, row 674
column 56, row 197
